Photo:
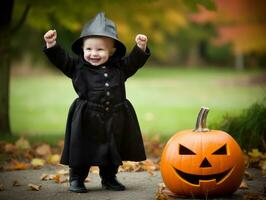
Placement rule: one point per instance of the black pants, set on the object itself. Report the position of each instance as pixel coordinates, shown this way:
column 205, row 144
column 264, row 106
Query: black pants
column 81, row 173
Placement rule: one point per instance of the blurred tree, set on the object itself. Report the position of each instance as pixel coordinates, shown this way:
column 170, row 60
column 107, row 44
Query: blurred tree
column 159, row 19
column 193, row 40
column 5, row 22
column 241, row 23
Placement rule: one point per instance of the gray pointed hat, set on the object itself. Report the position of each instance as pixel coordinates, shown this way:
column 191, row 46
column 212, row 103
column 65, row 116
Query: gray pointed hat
column 99, row 26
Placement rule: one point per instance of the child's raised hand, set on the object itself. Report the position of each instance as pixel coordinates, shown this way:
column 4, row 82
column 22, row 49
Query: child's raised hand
column 141, row 41
column 50, row 38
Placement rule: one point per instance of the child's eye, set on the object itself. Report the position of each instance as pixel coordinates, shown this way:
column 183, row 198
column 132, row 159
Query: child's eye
column 100, row 49
column 88, row 49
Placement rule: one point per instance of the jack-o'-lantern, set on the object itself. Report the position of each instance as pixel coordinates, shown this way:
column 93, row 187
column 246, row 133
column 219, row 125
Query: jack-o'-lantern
column 202, row 162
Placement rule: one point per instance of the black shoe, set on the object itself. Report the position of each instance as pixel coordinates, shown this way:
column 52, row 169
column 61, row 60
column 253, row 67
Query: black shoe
column 77, row 186
column 112, row 184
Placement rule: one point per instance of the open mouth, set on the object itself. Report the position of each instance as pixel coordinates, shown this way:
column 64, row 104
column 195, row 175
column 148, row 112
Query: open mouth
column 95, row 59
column 195, row 179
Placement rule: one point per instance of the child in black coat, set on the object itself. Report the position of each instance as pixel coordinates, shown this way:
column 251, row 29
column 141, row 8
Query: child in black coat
column 102, row 127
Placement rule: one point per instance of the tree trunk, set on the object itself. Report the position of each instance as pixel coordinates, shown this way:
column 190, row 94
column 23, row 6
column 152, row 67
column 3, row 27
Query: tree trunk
column 239, row 61
column 194, row 59
column 6, row 9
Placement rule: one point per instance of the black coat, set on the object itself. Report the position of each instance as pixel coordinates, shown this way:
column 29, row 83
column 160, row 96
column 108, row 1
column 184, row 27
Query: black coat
column 102, row 125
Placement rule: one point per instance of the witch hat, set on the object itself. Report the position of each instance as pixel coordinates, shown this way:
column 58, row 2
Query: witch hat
column 99, row 26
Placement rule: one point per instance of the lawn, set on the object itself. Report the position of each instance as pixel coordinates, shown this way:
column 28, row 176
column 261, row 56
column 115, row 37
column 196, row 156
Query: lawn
column 166, row 99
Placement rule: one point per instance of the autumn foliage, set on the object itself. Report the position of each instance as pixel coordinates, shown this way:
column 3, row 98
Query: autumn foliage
column 22, row 155
column 240, row 22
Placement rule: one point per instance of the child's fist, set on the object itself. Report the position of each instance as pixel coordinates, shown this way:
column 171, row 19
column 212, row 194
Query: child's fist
column 141, row 41
column 50, row 38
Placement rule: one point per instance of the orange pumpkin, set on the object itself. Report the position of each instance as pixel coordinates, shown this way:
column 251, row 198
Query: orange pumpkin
column 202, row 162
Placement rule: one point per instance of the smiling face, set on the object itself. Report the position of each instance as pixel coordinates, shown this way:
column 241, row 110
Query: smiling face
column 195, row 179
column 200, row 163
column 97, row 50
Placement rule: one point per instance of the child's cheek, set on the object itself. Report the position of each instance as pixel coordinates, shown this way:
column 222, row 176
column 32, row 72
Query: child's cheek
column 85, row 56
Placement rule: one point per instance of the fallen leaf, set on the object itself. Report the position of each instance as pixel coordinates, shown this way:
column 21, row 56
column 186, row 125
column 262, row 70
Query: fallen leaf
column 63, row 172
column 15, row 183
column 59, row 178
column 60, row 144
column 262, row 165
column 129, row 166
column 163, row 189
column 17, row 165
column 28, row 155
column 257, row 159
column 161, row 186
column 34, row 187
column 56, row 178
column 243, row 185
column 153, row 146
column 37, row 162
column 22, row 144
column 64, row 179
column 149, row 165
column 10, row 148
column 43, row 150
column 248, row 175
column 255, row 153
column 53, row 159
column 150, row 173
column 160, row 195
column 44, row 177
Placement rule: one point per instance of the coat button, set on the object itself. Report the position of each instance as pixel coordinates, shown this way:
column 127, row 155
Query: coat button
column 107, row 102
column 105, row 75
column 107, row 108
column 108, row 93
column 106, row 84
column 103, row 67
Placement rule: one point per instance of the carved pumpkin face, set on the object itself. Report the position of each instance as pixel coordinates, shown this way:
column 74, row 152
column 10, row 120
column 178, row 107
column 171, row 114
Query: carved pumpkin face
column 202, row 163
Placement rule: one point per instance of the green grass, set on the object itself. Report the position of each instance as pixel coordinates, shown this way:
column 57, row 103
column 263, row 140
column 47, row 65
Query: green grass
column 166, row 100
column 249, row 127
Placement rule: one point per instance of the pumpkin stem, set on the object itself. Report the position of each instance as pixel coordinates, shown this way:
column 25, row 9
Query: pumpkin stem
column 201, row 120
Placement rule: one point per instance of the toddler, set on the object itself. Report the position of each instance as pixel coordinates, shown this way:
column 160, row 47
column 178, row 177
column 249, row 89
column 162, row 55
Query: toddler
column 102, row 127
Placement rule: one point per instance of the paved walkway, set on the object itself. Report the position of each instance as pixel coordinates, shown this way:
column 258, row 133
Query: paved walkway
column 140, row 186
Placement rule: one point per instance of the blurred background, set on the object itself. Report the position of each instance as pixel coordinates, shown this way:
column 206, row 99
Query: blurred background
column 204, row 53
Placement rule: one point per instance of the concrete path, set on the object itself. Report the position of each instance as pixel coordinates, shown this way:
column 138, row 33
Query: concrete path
column 140, row 186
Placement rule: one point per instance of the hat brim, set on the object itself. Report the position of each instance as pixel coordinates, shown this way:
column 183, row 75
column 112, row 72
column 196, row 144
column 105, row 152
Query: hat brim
column 120, row 47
